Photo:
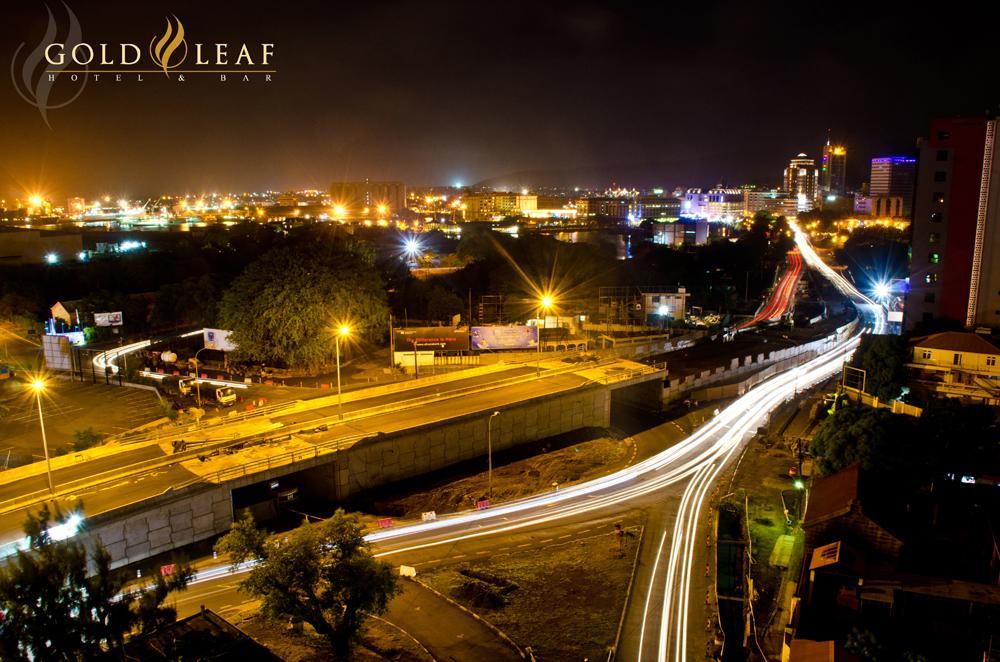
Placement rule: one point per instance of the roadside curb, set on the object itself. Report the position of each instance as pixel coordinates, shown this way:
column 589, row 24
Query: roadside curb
column 525, row 654
column 613, row 653
column 407, row 634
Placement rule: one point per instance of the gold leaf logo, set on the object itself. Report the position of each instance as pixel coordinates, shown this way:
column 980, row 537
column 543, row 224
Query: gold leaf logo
column 162, row 51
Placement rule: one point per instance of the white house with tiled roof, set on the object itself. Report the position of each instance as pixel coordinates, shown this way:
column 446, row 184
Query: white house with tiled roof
column 956, row 364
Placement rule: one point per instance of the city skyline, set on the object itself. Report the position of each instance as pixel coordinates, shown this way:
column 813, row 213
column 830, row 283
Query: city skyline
column 565, row 95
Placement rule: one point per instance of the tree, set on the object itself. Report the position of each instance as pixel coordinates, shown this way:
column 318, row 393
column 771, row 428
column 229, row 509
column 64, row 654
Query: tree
column 285, row 305
column 883, row 358
column 881, row 441
column 321, row 573
column 54, row 609
column 442, row 304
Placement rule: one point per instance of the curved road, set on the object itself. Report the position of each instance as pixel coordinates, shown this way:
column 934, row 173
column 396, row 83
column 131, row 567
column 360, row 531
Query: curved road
column 672, row 486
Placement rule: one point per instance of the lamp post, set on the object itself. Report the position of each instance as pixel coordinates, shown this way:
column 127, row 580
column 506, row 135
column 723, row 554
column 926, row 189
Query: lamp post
column 544, row 304
column 342, row 332
column 489, row 451
column 38, row 386
column 197, row 375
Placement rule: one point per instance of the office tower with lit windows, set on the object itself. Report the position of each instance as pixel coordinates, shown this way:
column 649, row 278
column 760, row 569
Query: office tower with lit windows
column 833, row 171
column 955, row 248
column 355, row 196
column 800, row 180
column 894, row 177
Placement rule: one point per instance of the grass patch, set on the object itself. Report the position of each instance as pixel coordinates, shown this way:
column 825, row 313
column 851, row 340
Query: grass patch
column 564, row 601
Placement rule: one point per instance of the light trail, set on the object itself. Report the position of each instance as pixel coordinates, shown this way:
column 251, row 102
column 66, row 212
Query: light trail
column 674, row 615
column 715, row 440
column 868, row 307
column 781, row 297
column 699, row 458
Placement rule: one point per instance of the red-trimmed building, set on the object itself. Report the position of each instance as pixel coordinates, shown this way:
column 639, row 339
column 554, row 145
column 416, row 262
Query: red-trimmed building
column 955, row 261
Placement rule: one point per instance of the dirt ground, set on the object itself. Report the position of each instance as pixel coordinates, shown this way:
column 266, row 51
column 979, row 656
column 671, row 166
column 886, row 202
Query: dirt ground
column 380, row 641
column 564, row 600
column 524, row 477
column 759, row 484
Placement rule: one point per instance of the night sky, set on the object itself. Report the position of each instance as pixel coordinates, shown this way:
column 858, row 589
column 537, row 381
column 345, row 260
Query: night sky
column 514, row 94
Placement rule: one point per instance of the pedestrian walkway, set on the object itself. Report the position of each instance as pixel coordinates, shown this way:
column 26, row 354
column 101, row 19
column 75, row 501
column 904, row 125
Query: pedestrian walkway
column 447, row 631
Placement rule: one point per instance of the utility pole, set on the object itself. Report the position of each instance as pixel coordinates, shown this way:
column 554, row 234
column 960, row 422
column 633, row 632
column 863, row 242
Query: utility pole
column 489, row 451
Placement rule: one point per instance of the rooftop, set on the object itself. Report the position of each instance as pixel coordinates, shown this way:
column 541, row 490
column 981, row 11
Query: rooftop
column 957, row 341
column 834, row 494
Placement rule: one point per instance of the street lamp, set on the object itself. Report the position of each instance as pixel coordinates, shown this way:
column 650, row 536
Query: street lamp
column 544, row 304
column 342, row 332
column 489, row 451
column 38, row 385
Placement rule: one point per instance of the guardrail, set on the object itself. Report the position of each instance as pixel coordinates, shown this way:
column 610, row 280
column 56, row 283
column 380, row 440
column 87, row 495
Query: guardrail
column 275, row 461
column 231, row 417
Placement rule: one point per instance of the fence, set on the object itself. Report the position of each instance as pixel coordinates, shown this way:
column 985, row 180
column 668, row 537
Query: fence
column 759, row 367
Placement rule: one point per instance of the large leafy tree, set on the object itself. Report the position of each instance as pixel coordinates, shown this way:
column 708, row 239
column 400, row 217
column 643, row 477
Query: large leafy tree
column 881, row 441
column 60, row 602
column 285, row 305
column 321, row 573
column 883, row 358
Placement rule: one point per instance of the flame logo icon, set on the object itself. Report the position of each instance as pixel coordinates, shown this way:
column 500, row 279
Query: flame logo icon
column 162, row 51
column 34, row 78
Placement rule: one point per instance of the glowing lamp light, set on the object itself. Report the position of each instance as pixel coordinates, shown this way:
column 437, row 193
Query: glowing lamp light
column 38, row 385
column 52, row 258
column 547, row 301
column 882, row 290
column 412, row 246
column 344, row 331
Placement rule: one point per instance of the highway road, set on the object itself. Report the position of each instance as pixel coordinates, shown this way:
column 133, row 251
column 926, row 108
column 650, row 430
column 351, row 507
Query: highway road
column 128, row 487
column 672, row 485
column 781, row 297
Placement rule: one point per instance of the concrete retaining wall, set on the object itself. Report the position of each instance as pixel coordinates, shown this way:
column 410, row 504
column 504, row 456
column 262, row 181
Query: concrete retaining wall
column 394, row 457
column 159, row 525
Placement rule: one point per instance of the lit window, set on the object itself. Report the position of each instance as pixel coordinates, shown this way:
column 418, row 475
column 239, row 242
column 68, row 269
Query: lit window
column 930, row 278
column 939, row 197
column 936, row 217
column 925, row 354
column 934, row 258
column 933, row 238
column 991, row 361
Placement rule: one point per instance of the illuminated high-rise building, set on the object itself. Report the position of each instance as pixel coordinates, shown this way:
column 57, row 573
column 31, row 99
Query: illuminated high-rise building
column 833, row 171
column 955, row 247
column 800, row 180
column 893, row 177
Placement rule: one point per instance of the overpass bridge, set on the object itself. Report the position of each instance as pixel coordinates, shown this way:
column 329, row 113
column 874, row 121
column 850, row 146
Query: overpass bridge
column 144, row 500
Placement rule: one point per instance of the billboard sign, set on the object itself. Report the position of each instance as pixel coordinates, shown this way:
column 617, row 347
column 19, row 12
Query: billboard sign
column 431, row 338
column 505, row 337
column 108, row 319
column 218, row 339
